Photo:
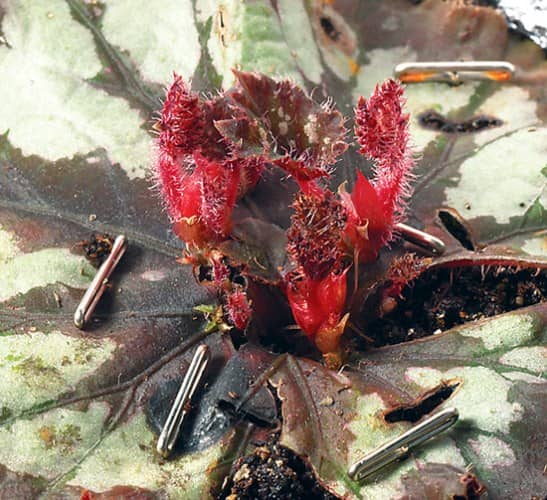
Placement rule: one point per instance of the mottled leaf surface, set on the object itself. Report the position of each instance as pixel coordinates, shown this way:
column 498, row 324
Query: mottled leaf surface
column 497, row 364
column 80, row 83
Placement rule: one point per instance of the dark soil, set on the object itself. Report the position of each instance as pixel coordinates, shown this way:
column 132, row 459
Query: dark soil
column 97, row 248
column 273, row 472
column 443, row 298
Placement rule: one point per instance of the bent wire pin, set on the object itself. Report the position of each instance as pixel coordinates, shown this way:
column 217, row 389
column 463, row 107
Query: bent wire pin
column 173, row 423
column 399, row 447
column 100, row 281
column 454, row 72
column 421, row 238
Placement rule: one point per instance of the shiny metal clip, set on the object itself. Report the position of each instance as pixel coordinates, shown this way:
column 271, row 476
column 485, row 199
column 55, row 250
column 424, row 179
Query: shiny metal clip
column 173, row 424
column 100, row 281
column 399, row 447
column 421, row 238
column 454, row 72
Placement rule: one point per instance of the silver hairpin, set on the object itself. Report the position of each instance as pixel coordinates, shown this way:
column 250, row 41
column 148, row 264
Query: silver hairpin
column 421, row 238
column 454, row 72
column 399, row 447
column 179, row 410
column 100, row 281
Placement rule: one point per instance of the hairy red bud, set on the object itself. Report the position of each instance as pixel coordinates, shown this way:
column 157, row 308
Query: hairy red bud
column 199, row 172
column 238, row 309
column 317, row 305
column 315, row 235
column 382, row 132
column 402, row 271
